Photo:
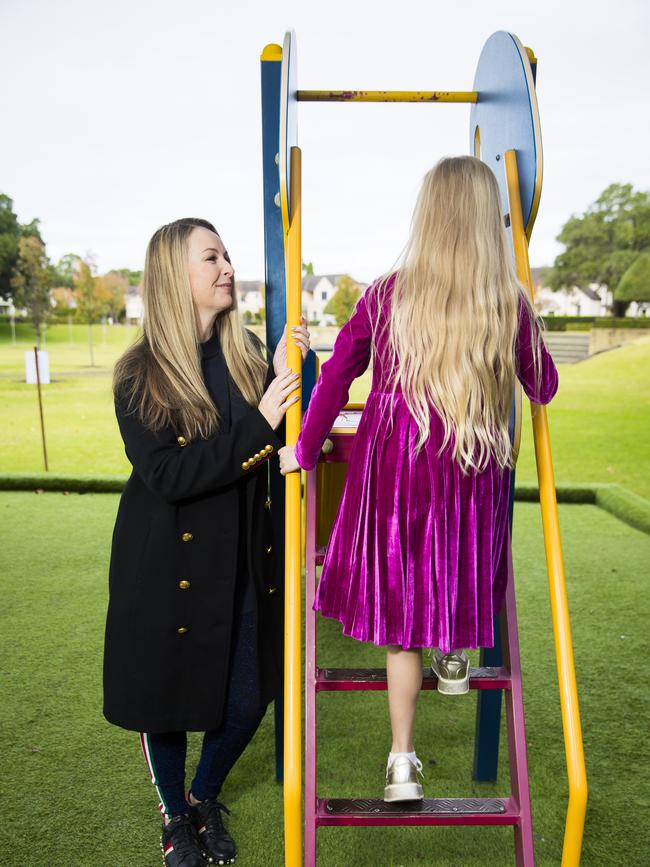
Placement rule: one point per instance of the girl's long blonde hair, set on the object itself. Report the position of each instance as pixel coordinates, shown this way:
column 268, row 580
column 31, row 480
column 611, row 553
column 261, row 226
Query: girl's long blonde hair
column 453, row 318
column 160, row 376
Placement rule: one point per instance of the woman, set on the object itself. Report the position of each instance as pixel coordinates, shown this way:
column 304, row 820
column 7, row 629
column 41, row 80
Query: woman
column 194, row 626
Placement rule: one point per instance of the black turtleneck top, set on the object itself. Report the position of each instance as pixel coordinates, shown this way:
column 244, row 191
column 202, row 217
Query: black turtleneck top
column 220, row 387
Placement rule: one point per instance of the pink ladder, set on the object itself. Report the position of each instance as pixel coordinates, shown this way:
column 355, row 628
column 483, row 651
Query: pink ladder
column 322, row 811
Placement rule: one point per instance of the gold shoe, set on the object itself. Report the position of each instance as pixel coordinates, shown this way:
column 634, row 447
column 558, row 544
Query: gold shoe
column 402, row 780
column 452, row 671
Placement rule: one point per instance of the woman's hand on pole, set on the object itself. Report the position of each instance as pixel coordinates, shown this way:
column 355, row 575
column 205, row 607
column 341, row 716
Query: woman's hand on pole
column 275, row 400
column 301, row 338
column 288, row 462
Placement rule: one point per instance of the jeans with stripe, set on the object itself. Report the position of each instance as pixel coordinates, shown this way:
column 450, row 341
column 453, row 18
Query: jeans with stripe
column 165, row 753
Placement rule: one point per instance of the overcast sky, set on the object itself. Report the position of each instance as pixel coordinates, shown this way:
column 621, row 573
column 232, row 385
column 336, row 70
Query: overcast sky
column 119, row 116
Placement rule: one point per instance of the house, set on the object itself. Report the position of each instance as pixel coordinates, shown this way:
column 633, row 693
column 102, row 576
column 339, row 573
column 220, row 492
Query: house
column 592, row 300
column 250, row 296
column 134, row 305
column 317, row 291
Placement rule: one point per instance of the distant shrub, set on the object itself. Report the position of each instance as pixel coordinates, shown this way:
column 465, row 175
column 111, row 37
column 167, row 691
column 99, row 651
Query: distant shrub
column 586, row 323
column 626, row 322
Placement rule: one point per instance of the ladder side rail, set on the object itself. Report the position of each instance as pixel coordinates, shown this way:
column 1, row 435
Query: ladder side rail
column 517, row 757
column 310, row 670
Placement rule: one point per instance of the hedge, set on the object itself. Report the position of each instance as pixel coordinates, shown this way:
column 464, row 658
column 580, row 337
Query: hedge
column 618, row 501
column 586, row 323
column 626, row 322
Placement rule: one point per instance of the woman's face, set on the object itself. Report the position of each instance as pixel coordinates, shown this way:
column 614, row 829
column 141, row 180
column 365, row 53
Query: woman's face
column 211, row 274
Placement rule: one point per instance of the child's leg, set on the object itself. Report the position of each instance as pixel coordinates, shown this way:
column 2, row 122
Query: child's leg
column 165, row 757
column 404, row 673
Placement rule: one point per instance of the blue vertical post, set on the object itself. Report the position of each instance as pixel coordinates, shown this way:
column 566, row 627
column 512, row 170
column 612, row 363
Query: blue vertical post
column 275, row 308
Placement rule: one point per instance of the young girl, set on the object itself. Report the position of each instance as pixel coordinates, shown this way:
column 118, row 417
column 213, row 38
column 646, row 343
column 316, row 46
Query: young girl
column 418, row 551
column 194, row 627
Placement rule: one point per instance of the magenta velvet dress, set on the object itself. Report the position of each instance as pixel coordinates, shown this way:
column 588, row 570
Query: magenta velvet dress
column 418, row 552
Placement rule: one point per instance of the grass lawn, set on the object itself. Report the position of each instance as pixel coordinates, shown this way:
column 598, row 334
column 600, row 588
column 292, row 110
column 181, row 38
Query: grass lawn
column 599, row 420
column 75, row 790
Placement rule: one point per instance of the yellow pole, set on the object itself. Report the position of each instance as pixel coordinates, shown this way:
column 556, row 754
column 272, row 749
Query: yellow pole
column 430, row 96
column 577, row 807
column 292, row 604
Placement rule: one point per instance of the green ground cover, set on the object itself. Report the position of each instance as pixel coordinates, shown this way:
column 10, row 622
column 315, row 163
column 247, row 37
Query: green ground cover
column 75, row 790
column 599, row 419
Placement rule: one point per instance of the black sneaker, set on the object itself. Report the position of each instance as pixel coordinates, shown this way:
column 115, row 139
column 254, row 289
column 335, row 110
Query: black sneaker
column 180, row 843
column 216, row 843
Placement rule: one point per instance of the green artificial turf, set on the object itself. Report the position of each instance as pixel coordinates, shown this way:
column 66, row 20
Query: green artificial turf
column 598, row 421
column 75, row 792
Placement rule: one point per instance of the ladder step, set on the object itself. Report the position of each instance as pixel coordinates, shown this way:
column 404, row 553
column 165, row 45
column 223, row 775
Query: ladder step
column 430, row 811
column 343, row 679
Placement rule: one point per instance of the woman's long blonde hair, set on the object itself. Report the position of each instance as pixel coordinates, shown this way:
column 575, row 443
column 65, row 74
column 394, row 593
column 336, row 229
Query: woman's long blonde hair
column 453, row 318
column 160, row 376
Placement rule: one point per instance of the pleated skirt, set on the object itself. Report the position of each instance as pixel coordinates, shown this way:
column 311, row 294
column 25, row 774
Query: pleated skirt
column 418, row 552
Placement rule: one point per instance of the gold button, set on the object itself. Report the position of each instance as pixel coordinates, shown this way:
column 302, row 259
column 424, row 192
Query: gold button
column 181, row 441
column 245, row 465
column 184, row 585
column 182, row 630
column 268, row 449
column 269, row 549
column 187, row 537
column 272, row 590
column 258, row 456
column 267, row 503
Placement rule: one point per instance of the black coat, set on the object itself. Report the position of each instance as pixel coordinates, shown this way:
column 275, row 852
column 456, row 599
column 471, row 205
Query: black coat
column 173, row 573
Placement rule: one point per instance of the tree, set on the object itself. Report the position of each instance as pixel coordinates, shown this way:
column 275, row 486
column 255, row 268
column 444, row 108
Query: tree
column 134, row 278
column 89, row 302
column 307, row 269
column 635, row 283
column 66, row 268
column 111, row 292
column 342, row 303
column 11, row 231
column 31, row 280
column 602, row 243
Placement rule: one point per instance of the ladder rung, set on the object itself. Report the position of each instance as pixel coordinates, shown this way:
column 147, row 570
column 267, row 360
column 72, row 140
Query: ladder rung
column 430, row 811
column 342, row 679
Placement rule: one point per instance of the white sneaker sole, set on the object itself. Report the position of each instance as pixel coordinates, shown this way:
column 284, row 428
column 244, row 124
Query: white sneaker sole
column 451, row 687
column 403, row 792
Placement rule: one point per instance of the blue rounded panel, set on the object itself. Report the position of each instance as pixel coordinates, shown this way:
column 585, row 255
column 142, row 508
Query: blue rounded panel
column 507, row 118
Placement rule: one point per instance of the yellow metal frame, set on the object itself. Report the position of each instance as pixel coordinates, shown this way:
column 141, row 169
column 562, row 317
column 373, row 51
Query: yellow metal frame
column 430, row 96
column 577, row 807
column 272, row 51
column 293, row 548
